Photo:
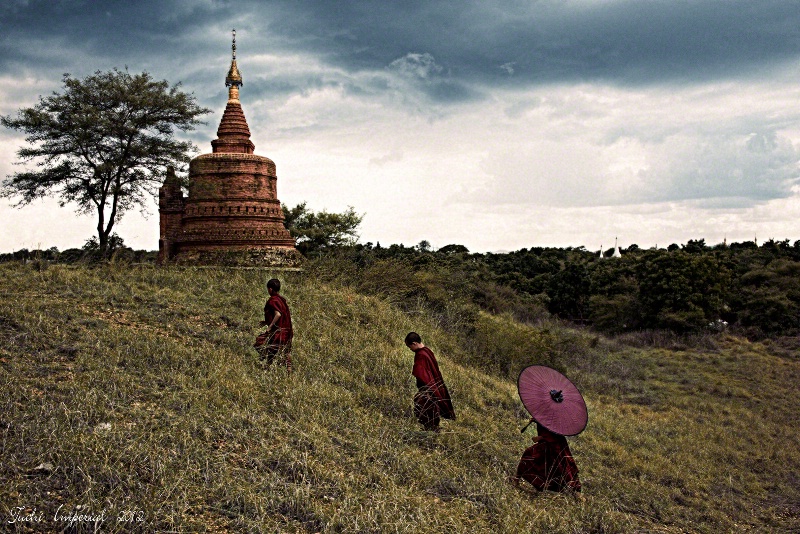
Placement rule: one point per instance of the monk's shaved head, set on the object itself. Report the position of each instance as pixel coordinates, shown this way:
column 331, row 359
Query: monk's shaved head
column 413, row 337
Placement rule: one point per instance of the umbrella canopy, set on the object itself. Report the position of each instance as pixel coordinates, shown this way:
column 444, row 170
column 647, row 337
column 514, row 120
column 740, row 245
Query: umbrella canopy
column 552, row 400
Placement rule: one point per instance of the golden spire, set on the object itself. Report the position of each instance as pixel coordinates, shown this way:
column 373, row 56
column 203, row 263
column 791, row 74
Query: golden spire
column 233, row 134
column 233, row 79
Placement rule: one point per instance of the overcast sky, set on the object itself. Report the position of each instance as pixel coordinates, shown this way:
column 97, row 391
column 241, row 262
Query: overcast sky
column 495, row 125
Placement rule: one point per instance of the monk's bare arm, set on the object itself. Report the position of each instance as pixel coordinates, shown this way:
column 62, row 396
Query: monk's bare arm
column 274, row 319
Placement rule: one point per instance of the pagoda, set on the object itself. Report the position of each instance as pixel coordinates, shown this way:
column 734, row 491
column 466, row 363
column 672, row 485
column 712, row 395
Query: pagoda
column 232, row 208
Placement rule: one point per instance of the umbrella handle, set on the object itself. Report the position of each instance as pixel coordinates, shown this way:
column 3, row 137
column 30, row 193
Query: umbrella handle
column 526, row 426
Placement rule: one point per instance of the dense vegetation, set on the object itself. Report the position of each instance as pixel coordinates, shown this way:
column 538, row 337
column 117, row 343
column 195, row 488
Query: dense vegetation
column 745, row 288
column 750, row 288
column 693, row 289
column 135, row 389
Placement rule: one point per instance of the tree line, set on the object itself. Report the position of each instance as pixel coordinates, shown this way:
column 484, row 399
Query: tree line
column 690, row 288
column 750, row 288
column 744, row 287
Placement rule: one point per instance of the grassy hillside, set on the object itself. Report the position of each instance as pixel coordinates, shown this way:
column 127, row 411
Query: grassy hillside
column 133, row 393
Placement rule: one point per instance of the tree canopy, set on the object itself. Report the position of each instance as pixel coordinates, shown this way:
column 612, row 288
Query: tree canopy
column 318, row 231
column 103, row 143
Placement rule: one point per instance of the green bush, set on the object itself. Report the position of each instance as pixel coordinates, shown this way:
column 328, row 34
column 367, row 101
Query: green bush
column 500, row 345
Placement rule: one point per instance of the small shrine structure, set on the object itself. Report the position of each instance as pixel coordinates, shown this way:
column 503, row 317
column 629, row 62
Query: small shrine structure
column 232, row 213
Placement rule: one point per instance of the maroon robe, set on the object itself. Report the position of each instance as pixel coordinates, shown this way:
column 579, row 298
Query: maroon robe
column 432, row 400
column 277, row 340
column 548, row 464
column 282, row 333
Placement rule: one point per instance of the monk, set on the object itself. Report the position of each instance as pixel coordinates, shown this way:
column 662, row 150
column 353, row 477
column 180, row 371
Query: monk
column 548, row 464
column 277, row 340
column 432, row 400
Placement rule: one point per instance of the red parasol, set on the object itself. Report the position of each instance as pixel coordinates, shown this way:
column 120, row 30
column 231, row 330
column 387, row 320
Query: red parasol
column 552, row 400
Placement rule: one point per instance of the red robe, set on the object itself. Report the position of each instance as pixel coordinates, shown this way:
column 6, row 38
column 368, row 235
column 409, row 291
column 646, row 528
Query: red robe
column 431, row 388
column 282, row 334
column 549, row 464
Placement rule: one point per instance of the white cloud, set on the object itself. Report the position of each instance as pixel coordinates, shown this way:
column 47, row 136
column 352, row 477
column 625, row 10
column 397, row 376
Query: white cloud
column 416, row 66
column 596, row 145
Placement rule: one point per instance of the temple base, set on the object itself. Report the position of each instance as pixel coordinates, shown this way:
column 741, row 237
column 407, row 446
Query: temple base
column 262, row 257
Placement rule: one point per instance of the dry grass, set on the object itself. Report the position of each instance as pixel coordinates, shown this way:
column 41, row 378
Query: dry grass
column 135, row 389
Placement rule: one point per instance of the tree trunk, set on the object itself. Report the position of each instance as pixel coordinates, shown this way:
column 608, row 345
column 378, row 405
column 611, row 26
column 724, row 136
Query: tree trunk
column 103, row 229
column 103, row 232
column 111, row 219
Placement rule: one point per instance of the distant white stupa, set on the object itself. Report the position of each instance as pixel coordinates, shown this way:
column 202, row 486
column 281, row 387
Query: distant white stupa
column 617, row 253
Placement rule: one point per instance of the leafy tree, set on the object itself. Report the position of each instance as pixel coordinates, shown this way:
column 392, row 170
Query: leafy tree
column 743, row 245
column 767, row 300
column 424, row 246
column 615, row 313
column 453, row 249
column 695, row 246
column 681, row 291
column 568, row 291
column 318, row 231
column 103, row 143
column 114, row 242
column 614, row 288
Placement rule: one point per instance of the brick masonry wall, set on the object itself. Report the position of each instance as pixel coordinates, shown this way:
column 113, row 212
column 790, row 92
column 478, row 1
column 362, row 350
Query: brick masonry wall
column 232, row 203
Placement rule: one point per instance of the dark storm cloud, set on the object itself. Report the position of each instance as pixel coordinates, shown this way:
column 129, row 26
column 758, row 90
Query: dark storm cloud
column 474, row 44
column 553, row 41
column 102, row 29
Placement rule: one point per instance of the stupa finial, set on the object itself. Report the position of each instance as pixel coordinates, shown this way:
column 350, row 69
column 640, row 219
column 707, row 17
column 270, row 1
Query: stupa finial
column 233, row 79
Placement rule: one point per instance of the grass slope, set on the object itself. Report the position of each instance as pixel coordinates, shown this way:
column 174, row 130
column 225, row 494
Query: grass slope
column 133, row 393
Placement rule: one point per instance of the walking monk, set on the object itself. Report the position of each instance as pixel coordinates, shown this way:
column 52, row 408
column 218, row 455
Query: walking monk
column 432, row 399
column 277, row 340
column 548, row 463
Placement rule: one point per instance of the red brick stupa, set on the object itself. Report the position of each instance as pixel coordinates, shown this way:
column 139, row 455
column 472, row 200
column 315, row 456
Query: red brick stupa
column 232, row 213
